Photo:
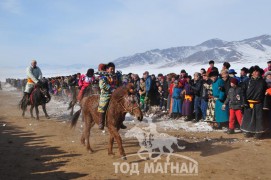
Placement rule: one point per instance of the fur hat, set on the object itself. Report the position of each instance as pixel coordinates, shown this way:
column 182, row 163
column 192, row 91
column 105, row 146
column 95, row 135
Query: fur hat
column 256, row 68
column 234, row 81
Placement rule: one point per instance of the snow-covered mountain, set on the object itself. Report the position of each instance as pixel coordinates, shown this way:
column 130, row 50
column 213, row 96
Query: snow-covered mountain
column 253, row 50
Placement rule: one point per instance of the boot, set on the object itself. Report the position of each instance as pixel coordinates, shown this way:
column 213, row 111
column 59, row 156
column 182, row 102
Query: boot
column 122, row 126
column 101, row 121
column 258, row 136
column 230, row 131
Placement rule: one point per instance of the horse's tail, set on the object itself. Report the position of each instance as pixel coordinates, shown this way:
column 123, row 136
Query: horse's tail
column 75, row 118
column 22, row 104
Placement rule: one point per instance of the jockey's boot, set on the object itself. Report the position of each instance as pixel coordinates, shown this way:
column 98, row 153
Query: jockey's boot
column 26, row 98
column 122, row 126
column 101, row 121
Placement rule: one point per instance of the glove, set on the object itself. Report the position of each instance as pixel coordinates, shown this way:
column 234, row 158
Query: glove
column 223, row 107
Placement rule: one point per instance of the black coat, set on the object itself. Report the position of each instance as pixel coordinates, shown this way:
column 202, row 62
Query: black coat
column 235, row 98
column 196, row 87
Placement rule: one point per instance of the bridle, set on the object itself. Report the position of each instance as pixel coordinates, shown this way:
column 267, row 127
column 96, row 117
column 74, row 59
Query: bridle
column 45, row 92
column 130, row 108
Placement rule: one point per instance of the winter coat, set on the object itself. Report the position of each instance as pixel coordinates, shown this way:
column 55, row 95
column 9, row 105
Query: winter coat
column 235, row 98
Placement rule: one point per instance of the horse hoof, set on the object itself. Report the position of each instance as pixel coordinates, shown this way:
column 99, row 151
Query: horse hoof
column 111, row 154
column 90, row 151
column 124, row 158
column 48, row 117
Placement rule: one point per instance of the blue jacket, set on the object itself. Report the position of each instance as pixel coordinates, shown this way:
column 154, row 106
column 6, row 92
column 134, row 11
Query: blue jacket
column 148, row 84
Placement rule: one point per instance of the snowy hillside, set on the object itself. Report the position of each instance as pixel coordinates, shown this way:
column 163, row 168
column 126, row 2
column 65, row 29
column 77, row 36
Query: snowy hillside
column 253, row 50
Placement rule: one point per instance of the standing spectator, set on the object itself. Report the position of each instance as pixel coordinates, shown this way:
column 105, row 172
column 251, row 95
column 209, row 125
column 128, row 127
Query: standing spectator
column 206, row 84
column 219, row 96
column 243, row 76
column 235, row 101
column 254, row 122
column 232, row 73
column 202, row 71
column 148, row 83
column 161, row 97
column 176, row 98
column 170, row 90
column 142, row 93
column 164, row 85
column 196, row 87
column 267, row 99
column 212, row 67
column 154, row 91
column 227, row 81
column 268, row 67
column 187, row 105
column 226, row 66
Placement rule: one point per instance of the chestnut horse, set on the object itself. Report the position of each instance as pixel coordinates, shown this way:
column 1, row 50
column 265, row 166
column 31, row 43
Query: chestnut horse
column 123, row 100
column 91, row 89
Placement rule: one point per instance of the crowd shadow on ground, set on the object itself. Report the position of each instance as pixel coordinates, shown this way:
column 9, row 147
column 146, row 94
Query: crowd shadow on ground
column 23, row 155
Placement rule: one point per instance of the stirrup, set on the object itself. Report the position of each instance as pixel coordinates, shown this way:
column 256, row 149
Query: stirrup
column 122, row 126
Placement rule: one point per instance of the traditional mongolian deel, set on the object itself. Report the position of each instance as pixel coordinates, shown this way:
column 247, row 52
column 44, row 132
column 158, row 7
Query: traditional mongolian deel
column 253, row 119
column 33, row 76
column 219, row 95
column 210, row 113
column 106, row 85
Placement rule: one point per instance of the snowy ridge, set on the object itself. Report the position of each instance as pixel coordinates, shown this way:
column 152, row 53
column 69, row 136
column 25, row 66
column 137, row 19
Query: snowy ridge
column 257, row 50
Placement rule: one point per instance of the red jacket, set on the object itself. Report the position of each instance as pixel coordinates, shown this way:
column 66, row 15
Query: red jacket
column 85, row 81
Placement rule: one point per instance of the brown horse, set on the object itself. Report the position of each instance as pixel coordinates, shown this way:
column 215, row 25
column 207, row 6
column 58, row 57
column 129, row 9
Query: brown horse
column 123, row 100
column 91, row 89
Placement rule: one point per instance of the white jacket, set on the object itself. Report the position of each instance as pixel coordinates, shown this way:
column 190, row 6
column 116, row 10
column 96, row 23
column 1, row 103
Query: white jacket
column 33, row 74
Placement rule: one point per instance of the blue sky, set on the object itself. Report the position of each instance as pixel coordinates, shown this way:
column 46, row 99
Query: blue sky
column 93, row 31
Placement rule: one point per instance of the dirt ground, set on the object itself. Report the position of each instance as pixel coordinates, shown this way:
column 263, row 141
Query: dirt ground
column 49, row 149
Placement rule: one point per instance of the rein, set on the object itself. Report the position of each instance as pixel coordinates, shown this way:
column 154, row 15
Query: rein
column 132, row 108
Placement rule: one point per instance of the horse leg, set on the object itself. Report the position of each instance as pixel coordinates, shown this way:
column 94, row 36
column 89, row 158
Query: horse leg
column 45, row 112
column 83, row 139
column 31, row 110
column 113, row 130
column 37, row 112
column 24, row 109
column 111, row 142
column 71, row 114
column 87, row 131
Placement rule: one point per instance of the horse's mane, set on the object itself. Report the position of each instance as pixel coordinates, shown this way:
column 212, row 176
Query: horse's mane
column 123, row 90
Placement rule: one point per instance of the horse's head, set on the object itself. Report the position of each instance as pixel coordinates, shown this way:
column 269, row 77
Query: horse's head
column 44, row 89
column 126, row 98
column 130, row 105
